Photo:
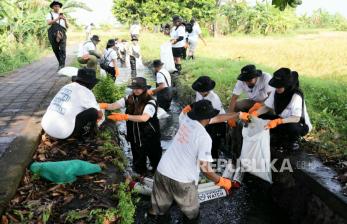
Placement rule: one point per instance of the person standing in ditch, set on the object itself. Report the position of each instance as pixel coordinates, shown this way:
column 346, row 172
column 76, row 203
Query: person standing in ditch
column 204, row 86
column 178, row 172
column 73, row 111
column 289, row 120
column 133, row 50
column 110, row 59
column 143, row 130
column 88, row 54
column 164, row 90
column 178, row 32
column 57, row 32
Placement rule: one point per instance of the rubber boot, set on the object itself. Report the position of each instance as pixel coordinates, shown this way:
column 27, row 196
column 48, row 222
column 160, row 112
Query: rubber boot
column 179, row 68
column 186, row 220
column 156, row 219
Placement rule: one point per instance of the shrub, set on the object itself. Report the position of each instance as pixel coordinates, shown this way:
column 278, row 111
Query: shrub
column 106, row 91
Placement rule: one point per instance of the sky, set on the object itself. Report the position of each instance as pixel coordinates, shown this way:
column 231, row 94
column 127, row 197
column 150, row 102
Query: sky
column 102, row 9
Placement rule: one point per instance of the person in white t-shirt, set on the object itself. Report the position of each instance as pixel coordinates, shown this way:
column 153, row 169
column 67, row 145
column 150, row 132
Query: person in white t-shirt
column 73, row 111
column 290, row 120
column 134, row 52
column 88, row 54
column 164, row 90
column 178, row 41
column 135, row 29
column 110, row 58
column 88, row 30
column 143, row 129
column 57, row 32
column 255, row 84
column 178, row 172
column 204, row 86
column 193, row 35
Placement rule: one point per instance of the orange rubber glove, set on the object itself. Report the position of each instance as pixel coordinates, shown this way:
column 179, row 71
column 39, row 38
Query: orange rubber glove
column 244, row 116
column 232, row 123
column 150, row 92
column 103, row 106
column 118, row 117
column 253, row 110
column 224, row 183
column 274, row 123
column 187, row 109
column 117, row 72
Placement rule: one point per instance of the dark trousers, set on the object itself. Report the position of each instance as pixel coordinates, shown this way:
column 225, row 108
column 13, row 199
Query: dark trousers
column 59, row 49
column 287, row 132
column 133, row 66
column 163, row 100
column 152, row 150
column 111, row 72
column 217, row 133
column 85, row 123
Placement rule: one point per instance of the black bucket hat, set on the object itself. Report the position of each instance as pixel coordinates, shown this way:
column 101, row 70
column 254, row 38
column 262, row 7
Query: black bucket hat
column 111, row 43
column 283, row 77
column 249, row 72
column 201, row 110
column 139, row 83
column 55, row 3
column 157, row 63
column 95, row 38
column 177, row 18
column 85, row 75
column 203, row 84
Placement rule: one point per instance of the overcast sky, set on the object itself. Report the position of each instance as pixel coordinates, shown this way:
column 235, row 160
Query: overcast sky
column 102, row 9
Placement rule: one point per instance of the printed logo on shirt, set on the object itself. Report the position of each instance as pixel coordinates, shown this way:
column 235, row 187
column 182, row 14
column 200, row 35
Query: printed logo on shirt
column 63, row 96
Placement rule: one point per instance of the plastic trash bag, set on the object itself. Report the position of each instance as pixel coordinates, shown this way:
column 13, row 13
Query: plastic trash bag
column 166, row 57
column 68, row 71
column 161, row 114
column 64, row 171
column 102, row 73
column 255, row 154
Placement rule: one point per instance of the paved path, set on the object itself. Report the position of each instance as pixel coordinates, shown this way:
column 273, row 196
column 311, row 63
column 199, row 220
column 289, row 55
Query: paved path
column 22, row 93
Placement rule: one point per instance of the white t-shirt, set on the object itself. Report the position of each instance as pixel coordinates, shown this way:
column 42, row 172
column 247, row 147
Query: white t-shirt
column 259, row 92
column 294, row 108
column 85, row 48
column 190, row 145
column 135, row 29
column 110, row 54
column 214, row 98
column 72, row 99
column 161, row 75
column 194, row 35
column 55, row 15
column 149, row 108
column 179, row 32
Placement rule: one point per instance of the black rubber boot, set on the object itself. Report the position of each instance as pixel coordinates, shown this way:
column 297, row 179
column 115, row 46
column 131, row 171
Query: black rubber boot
column 156, row 219
column 186, row 220
column 179, row 68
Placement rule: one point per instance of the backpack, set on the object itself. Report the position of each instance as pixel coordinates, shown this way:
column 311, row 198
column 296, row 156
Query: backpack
column 104, row 61
column 189, row 27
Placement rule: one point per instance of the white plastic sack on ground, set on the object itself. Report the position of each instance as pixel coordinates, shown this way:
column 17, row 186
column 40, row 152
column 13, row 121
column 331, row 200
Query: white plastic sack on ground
column 162, row 113
column 166, row 57
column 255, row 154
column 68, row 71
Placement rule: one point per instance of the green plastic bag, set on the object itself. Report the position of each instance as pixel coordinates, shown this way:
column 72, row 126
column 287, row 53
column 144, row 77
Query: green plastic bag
column 64, row 171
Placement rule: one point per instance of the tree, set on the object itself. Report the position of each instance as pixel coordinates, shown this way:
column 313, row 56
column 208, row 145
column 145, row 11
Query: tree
column 155, row 12
column 282, row 4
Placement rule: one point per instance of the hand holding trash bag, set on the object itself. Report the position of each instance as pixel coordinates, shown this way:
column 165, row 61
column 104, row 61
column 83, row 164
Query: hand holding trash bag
column 253, row 110
column 244, row 116
column 118, row 117
column 274, row 123
column 150, row 92
column 224, row 183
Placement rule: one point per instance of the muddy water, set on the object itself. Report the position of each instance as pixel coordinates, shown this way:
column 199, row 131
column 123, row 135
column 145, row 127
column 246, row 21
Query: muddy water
column 249, row 204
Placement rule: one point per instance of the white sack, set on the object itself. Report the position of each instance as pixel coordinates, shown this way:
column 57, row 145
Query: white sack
column 166, row 57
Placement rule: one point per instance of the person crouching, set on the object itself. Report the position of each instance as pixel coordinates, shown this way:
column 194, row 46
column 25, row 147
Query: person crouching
column 73, row 112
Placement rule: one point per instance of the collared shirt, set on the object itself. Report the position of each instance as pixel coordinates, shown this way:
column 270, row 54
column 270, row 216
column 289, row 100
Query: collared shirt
column 260, row 90
column 61, row 22
column 214, row 98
